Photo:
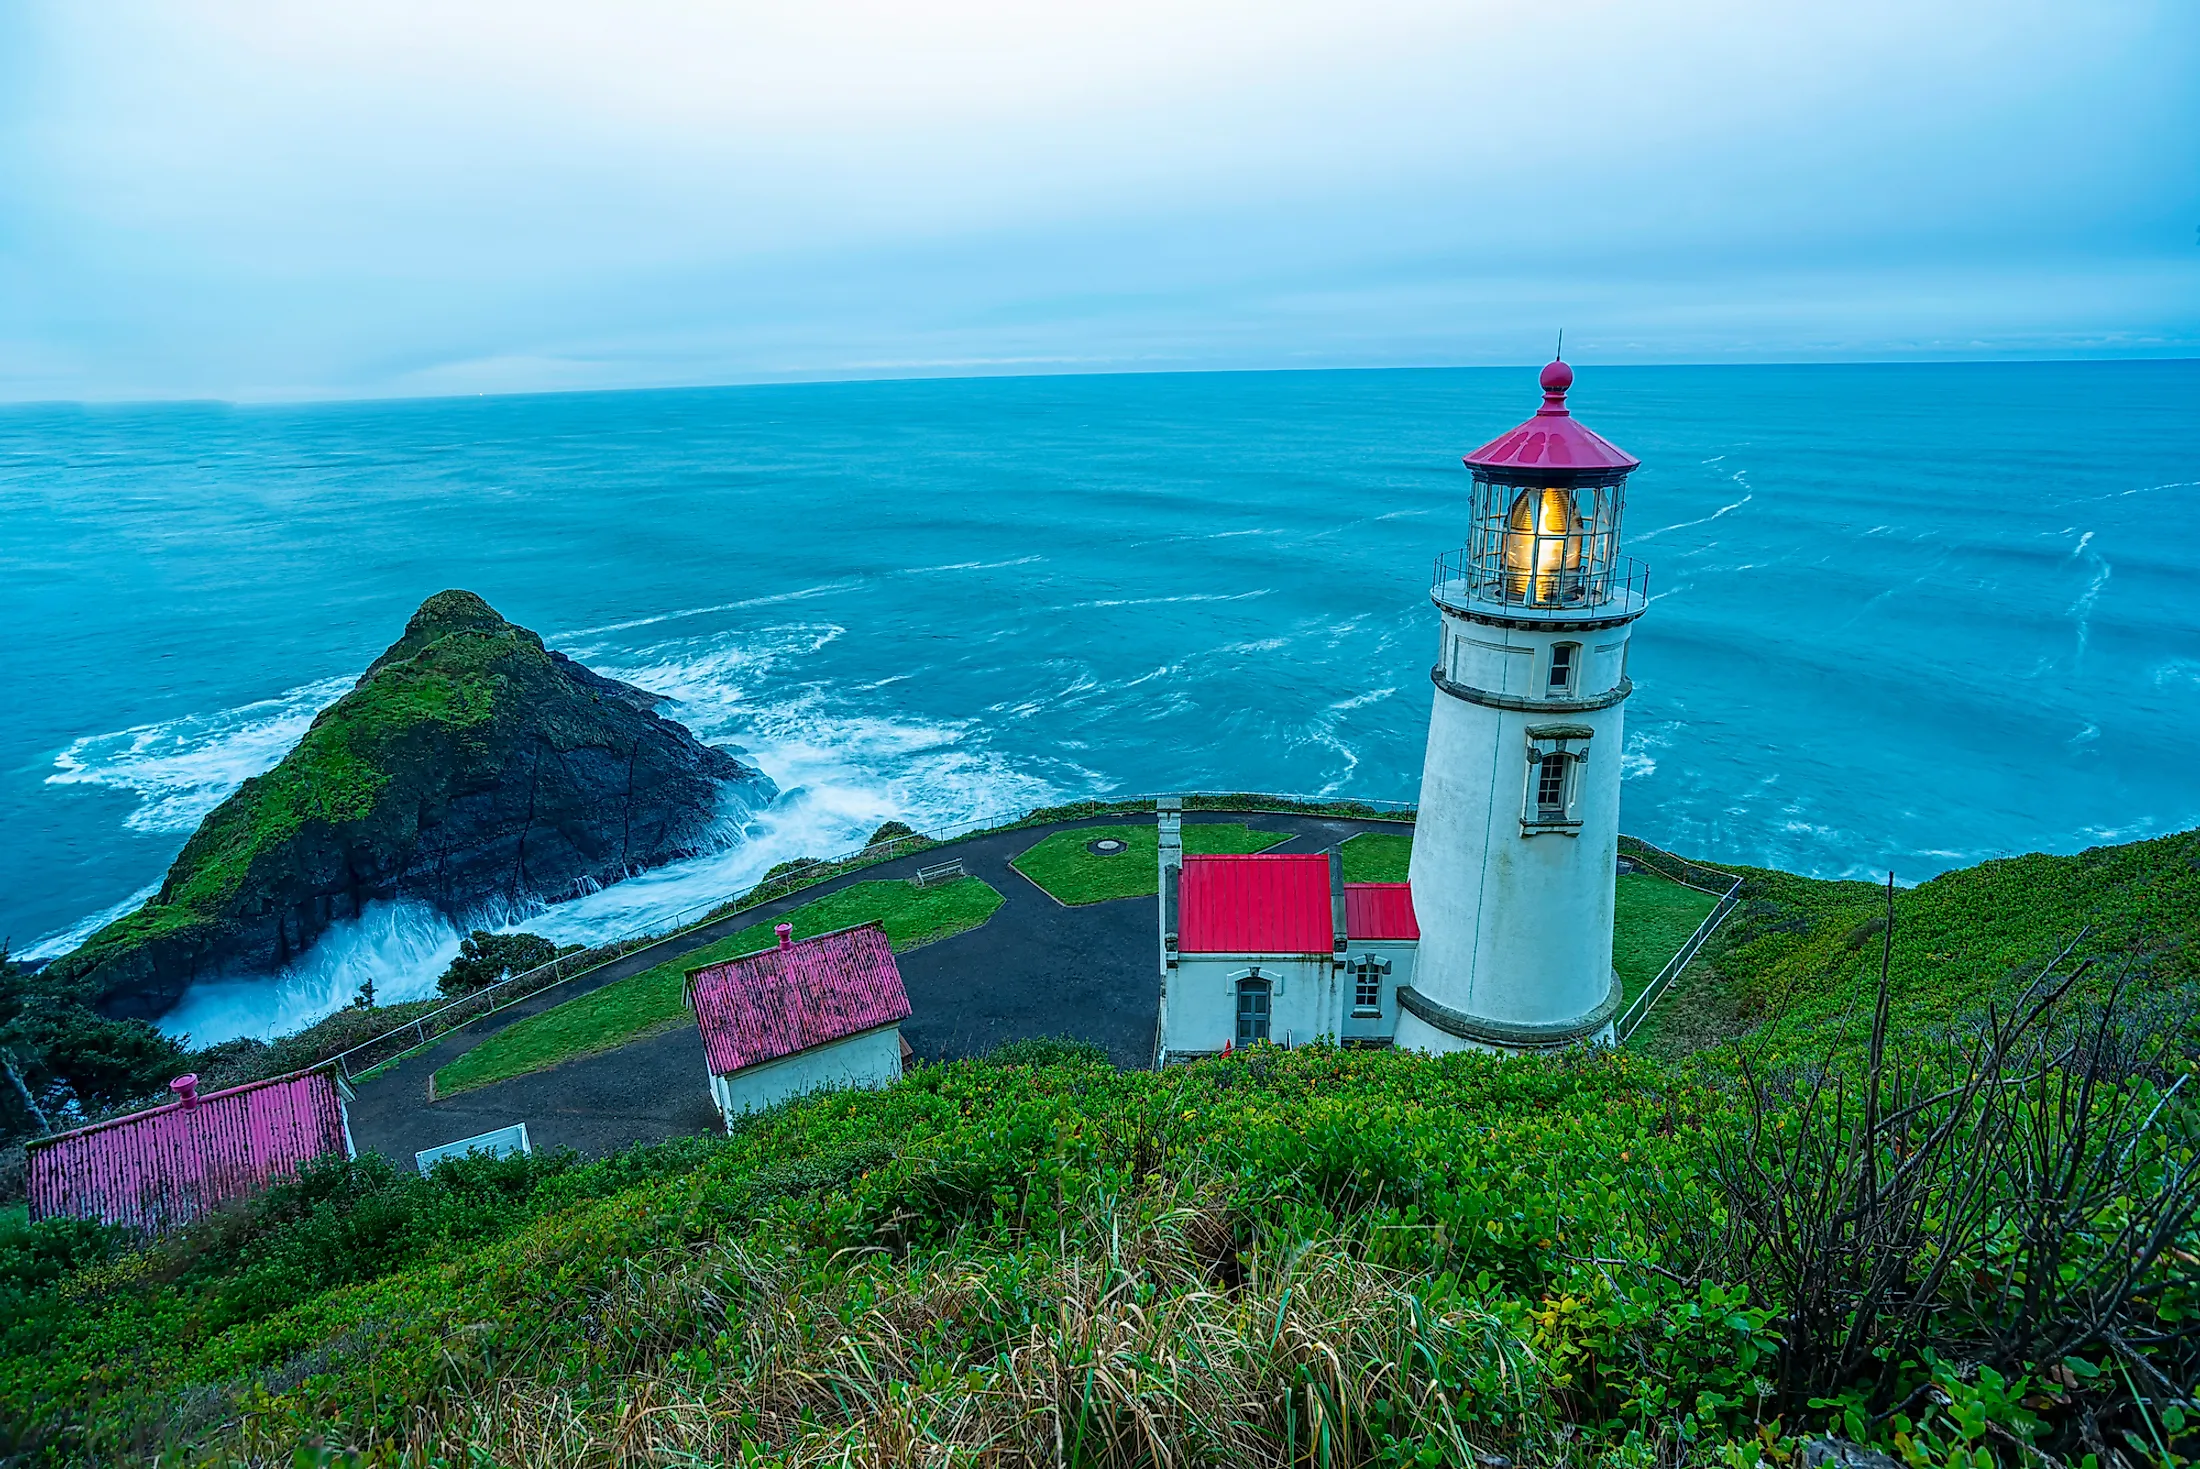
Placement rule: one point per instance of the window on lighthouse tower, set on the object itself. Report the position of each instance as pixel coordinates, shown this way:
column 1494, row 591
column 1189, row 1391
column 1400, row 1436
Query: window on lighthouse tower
column 1565, row 658
column 1550, row 788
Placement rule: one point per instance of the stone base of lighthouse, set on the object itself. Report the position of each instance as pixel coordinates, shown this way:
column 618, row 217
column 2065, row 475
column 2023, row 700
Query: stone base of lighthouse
column 1513, row 888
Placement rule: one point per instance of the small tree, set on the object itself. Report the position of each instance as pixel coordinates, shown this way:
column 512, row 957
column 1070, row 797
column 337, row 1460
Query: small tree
column 484, row 958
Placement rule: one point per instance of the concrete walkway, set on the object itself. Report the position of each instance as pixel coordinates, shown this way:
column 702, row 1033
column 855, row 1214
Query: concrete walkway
column 1035, row 968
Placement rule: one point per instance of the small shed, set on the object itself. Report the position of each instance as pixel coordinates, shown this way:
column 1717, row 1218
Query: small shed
column 167, row 1166
column 801, row 1017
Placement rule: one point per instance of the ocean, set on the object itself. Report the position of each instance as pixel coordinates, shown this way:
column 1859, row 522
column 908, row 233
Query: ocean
column 1904, row 617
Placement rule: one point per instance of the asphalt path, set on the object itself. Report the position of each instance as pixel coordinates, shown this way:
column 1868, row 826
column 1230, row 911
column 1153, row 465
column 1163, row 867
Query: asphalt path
column 1036, row 968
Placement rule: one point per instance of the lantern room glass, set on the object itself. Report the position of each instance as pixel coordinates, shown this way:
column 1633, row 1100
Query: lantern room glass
column 1538, row 545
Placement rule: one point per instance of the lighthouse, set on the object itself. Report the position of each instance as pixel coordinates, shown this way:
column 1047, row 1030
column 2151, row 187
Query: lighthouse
column 1514, row 848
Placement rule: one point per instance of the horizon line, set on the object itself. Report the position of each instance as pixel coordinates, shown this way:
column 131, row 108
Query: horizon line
column 827, row 379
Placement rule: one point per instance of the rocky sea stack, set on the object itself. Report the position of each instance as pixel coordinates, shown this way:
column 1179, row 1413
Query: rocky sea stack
column 470, row 767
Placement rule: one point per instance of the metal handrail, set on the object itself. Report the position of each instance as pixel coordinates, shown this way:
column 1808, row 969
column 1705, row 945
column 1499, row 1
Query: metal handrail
column 1465, row 576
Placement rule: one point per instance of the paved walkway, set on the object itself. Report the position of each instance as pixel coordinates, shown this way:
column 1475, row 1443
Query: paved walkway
column 1035, row 968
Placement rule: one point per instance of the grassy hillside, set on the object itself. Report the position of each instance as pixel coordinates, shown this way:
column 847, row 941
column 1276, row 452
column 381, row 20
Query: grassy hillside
column 1793, row 966
column 1280, row 1257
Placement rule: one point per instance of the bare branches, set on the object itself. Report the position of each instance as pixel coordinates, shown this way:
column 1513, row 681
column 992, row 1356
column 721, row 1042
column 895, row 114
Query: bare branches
column 2015, row 1198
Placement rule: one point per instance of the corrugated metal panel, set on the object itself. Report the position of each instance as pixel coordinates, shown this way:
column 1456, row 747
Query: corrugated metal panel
column 1268, row 903
column 1380, row 910
column 167, row 1166
column 764, row 1006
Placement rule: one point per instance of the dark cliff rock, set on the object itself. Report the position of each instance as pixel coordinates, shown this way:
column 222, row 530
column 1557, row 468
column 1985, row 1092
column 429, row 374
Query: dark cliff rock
column 469, row 767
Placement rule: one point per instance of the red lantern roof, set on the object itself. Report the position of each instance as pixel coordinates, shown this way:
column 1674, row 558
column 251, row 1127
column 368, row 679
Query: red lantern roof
column 1553, row 439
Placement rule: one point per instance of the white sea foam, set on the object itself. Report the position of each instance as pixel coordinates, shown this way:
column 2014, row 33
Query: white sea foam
column 403, row 947
column 1651, row 535
column 2081, row 610
column 1167, row 601
column 1635, row 761
column 180, row 769
column 62, row 940
column 973, row 565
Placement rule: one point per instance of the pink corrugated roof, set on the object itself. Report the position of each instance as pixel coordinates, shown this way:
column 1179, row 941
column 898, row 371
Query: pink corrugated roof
column 763, row 1006
column 1554, row 438
column 1268, row 903
column 169, row 1165
column 1380, row 910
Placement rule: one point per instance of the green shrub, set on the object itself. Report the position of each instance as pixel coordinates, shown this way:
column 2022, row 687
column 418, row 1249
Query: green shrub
column 484, row 958
column 1048, row 1050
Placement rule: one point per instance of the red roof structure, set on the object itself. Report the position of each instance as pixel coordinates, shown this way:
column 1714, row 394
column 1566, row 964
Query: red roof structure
column 169, row 1165
column 1266, row 903
column 763, row 1006
column 1380, row 910
column 1553, row 439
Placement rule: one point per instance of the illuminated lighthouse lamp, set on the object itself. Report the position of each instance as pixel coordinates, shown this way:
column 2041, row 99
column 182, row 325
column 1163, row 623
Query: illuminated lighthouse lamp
column 1544, row 529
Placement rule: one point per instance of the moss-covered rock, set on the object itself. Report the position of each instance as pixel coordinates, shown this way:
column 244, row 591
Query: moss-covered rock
column 469, row 767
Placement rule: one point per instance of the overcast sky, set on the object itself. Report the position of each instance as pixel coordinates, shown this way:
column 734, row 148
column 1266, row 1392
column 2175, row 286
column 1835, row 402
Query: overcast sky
column 268, row 200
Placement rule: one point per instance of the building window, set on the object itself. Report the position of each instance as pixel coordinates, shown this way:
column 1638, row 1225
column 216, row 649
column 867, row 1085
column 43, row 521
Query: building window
column 1565, row 662
column 1367, row 984
column 1252, row 1011
column 1550, row 788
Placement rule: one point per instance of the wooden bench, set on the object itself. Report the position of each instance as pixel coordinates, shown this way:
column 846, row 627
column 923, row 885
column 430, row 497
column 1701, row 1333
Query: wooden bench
column 940, row 872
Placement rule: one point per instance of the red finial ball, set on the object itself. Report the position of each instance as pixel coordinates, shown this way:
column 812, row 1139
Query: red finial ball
column 1557, row 378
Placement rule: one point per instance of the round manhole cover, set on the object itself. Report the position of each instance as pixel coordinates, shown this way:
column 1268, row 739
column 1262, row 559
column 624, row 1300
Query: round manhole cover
column 1106, row 847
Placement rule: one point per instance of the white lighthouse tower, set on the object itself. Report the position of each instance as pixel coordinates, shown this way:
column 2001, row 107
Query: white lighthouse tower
column 1519, row 820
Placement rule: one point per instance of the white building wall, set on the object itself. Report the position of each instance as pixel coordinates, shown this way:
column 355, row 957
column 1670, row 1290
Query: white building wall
column 1307, row 1000
column 1383, row 1024
column 1516, row 924
column 871, row 1059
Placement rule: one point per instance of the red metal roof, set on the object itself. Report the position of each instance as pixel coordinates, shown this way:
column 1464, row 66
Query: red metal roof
column 169, row 1165
column 1553, row 439
column 1380, row 910
column 1268, row 903
column 763, row 1006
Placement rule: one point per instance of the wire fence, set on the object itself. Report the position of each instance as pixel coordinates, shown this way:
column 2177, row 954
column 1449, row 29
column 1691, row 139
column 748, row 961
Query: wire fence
column 1725, row 886
column 389, row 1046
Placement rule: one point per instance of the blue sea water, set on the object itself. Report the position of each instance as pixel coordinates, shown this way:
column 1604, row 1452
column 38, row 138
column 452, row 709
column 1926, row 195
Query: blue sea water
column 1904, row 616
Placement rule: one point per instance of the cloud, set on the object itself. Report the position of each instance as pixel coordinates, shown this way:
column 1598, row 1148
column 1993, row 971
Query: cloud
column 265, row 199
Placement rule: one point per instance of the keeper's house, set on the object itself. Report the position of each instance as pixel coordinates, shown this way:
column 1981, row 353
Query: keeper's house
column 167, row 1166
column 1277, row 947
column 824, row 1013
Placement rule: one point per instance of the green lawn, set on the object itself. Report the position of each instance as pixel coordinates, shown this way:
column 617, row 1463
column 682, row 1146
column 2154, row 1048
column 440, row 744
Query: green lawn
column 1378, row 856
column 1062, row 865
column 656, row 999
column 1653, row 919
